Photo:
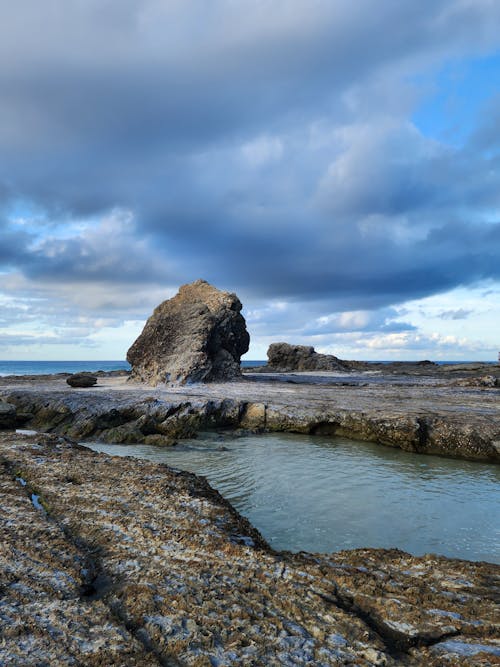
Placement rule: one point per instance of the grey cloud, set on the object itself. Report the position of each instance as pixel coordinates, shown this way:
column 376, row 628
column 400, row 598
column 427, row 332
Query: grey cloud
column 151, row 108
column 16, row 340
column 458, row 314
column 13, row 245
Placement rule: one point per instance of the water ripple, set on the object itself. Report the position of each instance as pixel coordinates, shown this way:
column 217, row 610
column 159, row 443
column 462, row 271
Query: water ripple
column 324, row 494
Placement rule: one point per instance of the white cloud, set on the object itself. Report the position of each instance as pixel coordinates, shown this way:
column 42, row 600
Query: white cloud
column 262, row 150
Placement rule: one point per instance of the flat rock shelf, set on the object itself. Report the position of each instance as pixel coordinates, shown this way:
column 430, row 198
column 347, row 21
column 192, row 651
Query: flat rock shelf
column 431, row 414
column 117, row 561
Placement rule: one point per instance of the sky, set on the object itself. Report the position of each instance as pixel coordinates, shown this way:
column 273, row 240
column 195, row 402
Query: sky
column 334, row 163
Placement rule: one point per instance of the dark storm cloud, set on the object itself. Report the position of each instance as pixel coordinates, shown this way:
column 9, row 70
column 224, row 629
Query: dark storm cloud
column 265, row 147
column 111, row 252
column 13, row 246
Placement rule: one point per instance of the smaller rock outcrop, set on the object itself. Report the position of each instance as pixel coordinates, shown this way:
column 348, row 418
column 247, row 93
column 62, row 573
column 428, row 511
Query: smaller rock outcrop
column 81, row 380
column 197, row 336
column 284, row 358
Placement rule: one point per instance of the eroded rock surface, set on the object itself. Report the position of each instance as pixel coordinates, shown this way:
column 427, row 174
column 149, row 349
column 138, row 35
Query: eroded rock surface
column 7, row 415
column 482, row 381
column 197, row 336
column 284, row 358
column 112, row 561
column 421, row 414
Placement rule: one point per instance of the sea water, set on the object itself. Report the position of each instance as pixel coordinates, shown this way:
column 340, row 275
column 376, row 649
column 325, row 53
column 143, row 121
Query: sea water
column 50, row 367
column 325, row 494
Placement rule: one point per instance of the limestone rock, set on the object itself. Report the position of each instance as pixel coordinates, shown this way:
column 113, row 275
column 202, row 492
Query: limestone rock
column 81, row 380
column 197, row 336
column 284, row 357
column 7, row 415
column 144, row 565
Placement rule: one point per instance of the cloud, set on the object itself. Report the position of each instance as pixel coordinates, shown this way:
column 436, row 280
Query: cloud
column 268, row 148
column 23, row 340
column 459, row 314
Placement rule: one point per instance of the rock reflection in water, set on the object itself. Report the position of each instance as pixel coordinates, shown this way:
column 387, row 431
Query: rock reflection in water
column 326, row 494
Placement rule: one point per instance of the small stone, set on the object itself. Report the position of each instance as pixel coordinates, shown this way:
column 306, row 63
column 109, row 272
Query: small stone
column 374, row 657
column 81, row 380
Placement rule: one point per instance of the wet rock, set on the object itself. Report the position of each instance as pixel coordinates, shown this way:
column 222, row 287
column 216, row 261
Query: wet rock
column 197, row 336
column 285, row 358
column 254, row 416
column 138, row 564
column 127, row 434
column 81, row 380
column 7, row 415
column 424, row 415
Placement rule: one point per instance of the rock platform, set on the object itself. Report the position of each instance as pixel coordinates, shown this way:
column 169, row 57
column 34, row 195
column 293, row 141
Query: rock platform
column 115, row 561
column 416, row 408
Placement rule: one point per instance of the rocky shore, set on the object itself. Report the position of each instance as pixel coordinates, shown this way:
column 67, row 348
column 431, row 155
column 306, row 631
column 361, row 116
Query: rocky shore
column 450, row 411
column 113, row 561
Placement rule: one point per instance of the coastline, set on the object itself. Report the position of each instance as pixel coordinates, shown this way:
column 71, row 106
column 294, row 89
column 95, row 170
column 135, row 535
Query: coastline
column 109, row 560
column 440, row 410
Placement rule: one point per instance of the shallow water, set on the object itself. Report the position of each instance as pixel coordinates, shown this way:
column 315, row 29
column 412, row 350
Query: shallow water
column 325, row 493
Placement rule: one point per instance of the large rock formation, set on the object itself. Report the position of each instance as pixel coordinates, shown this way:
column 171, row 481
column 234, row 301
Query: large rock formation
column 197, row 336
column 284, row 358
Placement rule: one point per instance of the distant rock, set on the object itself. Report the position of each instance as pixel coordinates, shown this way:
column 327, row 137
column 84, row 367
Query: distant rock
column 285, row 358
column 7, row 415
column 81, row 380
column 197, row 336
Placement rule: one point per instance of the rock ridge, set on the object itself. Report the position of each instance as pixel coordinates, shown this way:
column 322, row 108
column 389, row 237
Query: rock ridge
column 452, row 421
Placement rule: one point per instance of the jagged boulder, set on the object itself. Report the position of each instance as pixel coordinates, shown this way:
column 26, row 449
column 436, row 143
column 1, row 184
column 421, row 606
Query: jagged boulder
column 197, row 336
column 285, row 358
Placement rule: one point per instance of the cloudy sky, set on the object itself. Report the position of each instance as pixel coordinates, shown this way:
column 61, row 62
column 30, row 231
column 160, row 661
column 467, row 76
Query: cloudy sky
column 335, row 163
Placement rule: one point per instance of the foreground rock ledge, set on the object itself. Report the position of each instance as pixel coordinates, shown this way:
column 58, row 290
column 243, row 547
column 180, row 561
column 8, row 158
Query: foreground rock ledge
column 112, row 561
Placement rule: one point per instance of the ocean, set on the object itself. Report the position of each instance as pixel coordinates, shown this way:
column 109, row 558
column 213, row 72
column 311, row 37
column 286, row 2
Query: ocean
column 50, row 367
